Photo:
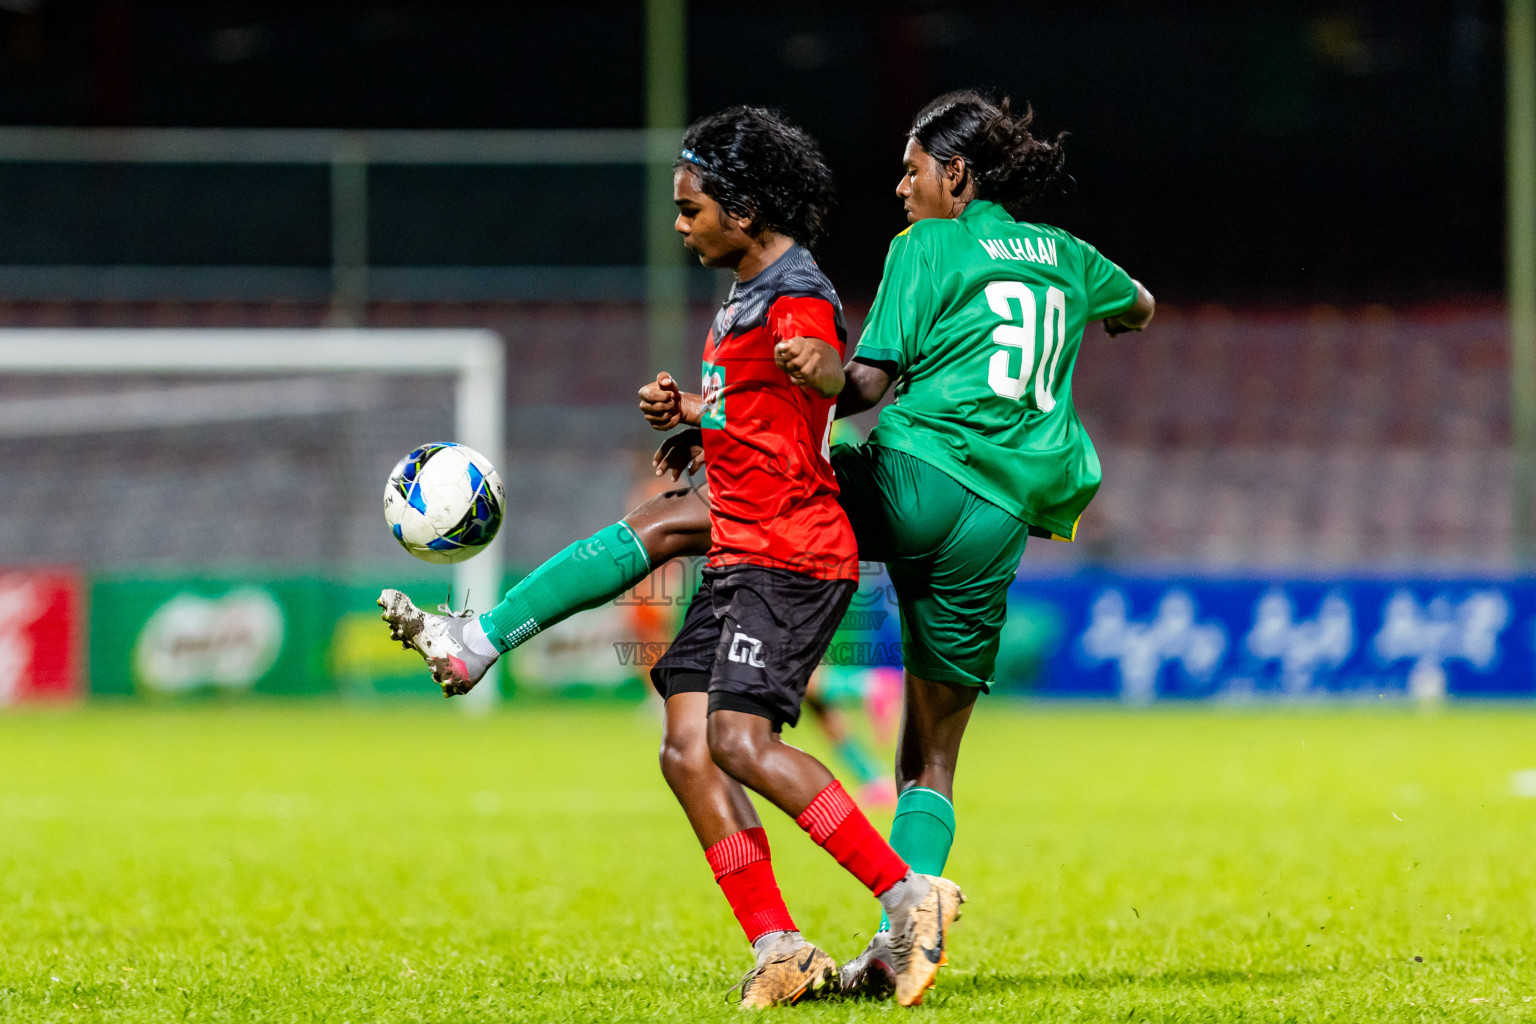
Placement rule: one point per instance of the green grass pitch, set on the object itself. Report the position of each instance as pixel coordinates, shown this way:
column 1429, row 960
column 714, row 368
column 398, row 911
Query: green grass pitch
column 322, row 862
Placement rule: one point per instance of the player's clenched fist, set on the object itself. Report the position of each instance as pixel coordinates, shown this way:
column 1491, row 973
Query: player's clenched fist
column 812, row 363
column 659, row 402
column 664, row 405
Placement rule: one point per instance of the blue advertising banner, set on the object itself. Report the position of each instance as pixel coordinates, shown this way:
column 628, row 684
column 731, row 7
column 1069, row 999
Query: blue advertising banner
column 1140, row 638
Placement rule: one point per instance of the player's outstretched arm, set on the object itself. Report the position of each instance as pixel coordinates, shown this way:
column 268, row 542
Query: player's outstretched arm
column 811, row 363
column 866, row 384
column 1135, row 318
column 665, row 405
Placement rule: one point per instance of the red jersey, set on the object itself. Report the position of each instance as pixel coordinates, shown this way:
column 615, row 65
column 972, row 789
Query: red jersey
column 772, row 493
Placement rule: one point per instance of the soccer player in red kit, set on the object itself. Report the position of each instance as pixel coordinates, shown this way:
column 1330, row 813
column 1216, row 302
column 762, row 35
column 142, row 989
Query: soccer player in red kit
column 751, row 191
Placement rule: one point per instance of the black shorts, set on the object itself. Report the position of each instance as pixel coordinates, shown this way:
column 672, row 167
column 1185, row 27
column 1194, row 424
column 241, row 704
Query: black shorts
column 751, row 639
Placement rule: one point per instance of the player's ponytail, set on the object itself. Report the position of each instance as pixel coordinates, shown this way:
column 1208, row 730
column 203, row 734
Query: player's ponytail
column 1009, row 165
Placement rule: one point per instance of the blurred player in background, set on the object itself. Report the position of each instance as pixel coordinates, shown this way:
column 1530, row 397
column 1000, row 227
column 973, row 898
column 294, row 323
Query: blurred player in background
column 833, row 689
column 978, row 321
column 751, row 191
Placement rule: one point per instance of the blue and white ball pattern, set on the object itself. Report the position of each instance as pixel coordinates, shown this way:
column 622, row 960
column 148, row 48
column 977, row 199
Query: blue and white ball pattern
column 444, row 502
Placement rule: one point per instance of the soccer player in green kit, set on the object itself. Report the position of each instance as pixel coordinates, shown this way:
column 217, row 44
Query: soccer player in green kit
column 977, row 322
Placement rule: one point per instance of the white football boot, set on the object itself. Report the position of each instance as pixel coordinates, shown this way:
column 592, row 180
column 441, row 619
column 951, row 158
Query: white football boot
column 439, row 639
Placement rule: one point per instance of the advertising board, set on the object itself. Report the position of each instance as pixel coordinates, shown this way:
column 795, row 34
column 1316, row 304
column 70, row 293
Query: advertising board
column 1143, row 638
column 40, row 624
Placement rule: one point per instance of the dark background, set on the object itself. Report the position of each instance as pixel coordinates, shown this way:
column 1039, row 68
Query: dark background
column 1338, row 152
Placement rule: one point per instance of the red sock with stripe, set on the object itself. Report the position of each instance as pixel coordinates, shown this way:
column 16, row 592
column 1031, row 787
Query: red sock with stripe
column 836, row 825
column 744, row 869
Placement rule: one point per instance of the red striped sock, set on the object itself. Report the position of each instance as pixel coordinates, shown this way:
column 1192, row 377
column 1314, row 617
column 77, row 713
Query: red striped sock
column 840, row 828
column 744, row 870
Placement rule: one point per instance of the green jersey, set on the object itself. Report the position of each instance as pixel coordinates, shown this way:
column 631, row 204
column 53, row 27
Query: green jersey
column 983, row 317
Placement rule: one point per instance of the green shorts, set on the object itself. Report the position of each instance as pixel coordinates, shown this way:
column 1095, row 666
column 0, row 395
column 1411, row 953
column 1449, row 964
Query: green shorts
column 950, row 553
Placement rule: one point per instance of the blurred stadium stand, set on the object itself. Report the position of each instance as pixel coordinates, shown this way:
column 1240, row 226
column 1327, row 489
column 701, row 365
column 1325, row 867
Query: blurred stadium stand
column 1294, row 439
column 1303, row 439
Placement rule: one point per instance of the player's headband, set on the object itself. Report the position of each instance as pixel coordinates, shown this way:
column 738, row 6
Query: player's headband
column 693, row 158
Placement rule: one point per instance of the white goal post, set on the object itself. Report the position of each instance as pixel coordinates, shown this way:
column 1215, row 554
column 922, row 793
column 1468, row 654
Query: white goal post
column 473, row 358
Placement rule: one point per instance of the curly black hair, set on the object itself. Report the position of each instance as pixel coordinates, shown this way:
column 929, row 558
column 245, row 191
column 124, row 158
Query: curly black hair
column 758, row 165
column 1009, row 165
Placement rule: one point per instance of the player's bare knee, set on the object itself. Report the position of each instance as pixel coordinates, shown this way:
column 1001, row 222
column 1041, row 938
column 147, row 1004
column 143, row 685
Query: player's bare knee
column 652, row 535
column 732, row 746
column 669, row 527
column 684, row 757
column 671, row 760
column 672, row 544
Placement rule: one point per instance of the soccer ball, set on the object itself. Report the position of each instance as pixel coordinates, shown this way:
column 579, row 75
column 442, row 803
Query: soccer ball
column 444, row 502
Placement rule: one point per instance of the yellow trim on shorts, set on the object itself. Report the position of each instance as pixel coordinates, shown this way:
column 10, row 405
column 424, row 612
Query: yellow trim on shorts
column 1073, row 537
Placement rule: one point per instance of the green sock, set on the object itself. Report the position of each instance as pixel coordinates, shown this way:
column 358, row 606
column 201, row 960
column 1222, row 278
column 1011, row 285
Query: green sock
column 922, row 833
column 863, row 765
column 582, row 576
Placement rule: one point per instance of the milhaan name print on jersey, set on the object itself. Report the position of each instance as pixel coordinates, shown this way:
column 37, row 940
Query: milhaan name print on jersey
column 1038, row 250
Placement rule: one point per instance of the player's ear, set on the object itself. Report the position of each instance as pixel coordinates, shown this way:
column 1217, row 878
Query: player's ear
column 746, row 223
column 955, row 174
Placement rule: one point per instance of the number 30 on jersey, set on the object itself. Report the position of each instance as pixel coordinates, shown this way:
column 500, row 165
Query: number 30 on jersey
column 1018, row 332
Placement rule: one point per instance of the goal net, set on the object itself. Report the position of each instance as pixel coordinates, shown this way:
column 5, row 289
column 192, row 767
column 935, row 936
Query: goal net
column 140, row 455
